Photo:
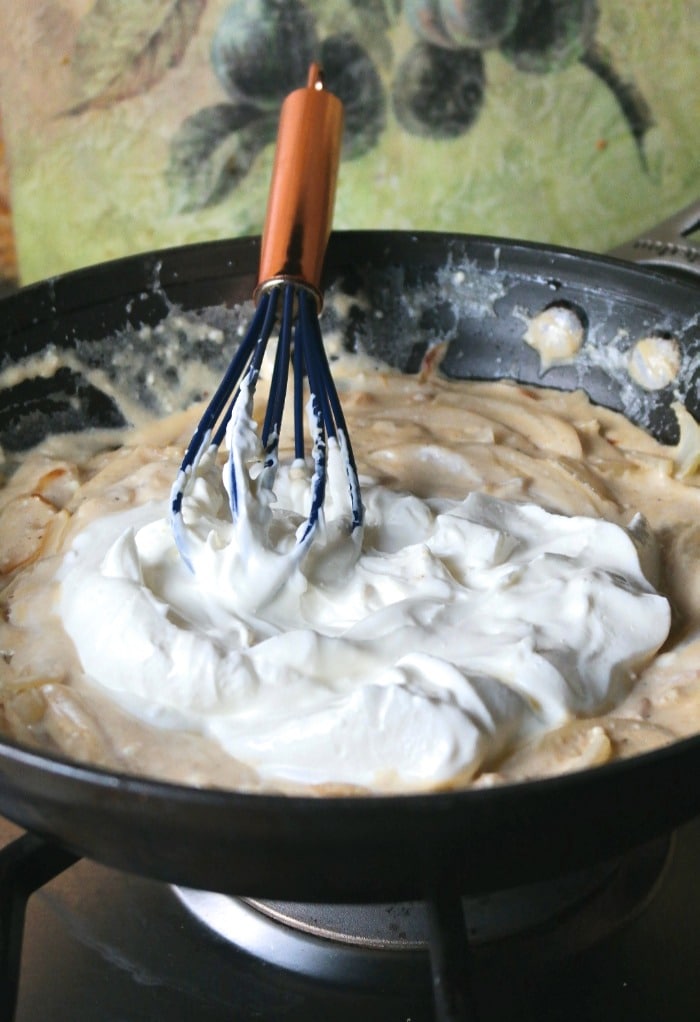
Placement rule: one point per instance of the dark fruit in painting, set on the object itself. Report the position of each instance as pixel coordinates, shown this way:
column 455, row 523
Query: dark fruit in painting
column 262, row 49
column 438, row 93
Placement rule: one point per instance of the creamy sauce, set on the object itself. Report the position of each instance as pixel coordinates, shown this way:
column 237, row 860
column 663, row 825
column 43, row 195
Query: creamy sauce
column 497, row 625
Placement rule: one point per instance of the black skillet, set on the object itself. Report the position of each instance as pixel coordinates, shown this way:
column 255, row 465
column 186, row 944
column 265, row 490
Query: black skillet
column 475, row 293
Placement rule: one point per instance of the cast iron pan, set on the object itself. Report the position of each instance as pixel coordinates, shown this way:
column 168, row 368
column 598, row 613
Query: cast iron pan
column 475, row 293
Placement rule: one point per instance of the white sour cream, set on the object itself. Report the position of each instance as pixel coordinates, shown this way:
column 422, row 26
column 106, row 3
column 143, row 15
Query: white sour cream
column 458, row 630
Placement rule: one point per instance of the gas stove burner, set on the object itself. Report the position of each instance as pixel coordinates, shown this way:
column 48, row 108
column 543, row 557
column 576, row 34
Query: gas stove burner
column 533, row 926
column 104, row 946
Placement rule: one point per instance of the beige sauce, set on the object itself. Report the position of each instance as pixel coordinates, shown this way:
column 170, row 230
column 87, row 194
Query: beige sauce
column 422, row 434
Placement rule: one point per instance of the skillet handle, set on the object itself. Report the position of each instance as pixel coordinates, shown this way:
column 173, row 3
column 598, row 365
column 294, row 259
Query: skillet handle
column 667, row 245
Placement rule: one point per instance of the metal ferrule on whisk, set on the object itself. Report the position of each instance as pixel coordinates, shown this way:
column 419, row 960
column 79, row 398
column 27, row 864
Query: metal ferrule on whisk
column 302, row 189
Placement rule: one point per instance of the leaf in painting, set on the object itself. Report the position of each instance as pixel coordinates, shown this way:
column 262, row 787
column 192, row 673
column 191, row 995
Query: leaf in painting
column 124, row 49
column 213, row 150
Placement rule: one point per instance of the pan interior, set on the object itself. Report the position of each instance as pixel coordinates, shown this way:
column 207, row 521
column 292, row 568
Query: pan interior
column 130, row 355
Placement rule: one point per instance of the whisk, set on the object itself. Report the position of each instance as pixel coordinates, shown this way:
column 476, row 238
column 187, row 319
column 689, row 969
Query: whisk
column 295, row 236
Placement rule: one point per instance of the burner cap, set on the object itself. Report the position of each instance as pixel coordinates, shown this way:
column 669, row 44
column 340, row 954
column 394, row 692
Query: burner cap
column 533, row 926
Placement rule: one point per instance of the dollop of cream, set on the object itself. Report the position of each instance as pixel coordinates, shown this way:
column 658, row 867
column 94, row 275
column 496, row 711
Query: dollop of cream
column 655, row 362
column 456, row 631
column 556, row 334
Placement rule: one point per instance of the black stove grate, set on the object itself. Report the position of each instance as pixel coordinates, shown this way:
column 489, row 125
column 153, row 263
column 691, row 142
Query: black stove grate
column 26, row 864
column 30, row 862
column 455, row 960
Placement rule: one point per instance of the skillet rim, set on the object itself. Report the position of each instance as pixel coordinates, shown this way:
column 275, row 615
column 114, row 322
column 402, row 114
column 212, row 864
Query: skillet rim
column 154, row 267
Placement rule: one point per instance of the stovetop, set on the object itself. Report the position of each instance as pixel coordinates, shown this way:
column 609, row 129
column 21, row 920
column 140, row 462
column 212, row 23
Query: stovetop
column 104, row 946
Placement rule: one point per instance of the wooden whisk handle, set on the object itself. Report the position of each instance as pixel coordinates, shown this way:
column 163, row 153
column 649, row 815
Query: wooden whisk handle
column 302, row 190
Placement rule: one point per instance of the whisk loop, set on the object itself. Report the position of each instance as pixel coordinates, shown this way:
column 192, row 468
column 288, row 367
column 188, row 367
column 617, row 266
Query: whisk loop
column 299, row 344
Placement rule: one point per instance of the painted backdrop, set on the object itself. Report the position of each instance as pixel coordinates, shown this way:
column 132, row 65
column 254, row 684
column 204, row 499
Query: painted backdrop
column 138, row 124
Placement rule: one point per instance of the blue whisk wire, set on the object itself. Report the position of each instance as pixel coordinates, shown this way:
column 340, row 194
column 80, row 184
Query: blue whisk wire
column 299, row 344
